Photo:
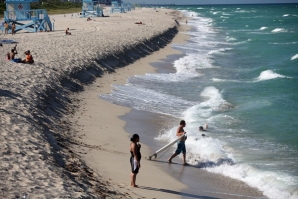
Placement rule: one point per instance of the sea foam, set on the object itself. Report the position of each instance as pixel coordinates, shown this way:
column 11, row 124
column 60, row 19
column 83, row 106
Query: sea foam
column 190, row 63
column 277, row 30
column 294, row 57
column 273, row 184
column 269, row 74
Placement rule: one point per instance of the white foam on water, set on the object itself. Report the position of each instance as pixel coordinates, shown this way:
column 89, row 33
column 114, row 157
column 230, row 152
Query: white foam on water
column 190, row 63
column 269, row 74
column 263, row 28
column 285, row 15
column 219, row 51
column 242, row 11
column 287, row 43
column 278, row 30
column 242, row 42
column 294, row 57
column 227, row 14
column 170, row 77
column 214, row 102
column 188, row 13
column 148, row 100
column 225, row 80
column 274, row 185
column 230, row 38
column 264, row 75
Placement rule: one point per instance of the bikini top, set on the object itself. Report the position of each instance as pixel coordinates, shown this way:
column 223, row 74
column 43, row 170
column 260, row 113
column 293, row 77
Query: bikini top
column 138, row 152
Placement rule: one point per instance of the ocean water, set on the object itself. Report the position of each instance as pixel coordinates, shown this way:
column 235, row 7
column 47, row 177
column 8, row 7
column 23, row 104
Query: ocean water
column 240, row 76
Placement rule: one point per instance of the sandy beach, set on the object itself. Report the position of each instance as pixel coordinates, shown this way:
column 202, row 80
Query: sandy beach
column 60, row 140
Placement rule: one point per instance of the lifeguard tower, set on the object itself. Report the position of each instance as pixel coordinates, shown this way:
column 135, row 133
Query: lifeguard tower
column 91, row 9
column 117, row 6
column 120, row 6
column 19, row 12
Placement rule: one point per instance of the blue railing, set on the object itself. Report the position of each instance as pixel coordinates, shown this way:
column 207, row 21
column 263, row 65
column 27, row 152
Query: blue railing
column 23, row 15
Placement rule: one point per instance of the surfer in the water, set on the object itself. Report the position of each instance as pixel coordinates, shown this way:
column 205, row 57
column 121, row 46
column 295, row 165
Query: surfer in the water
column 180, row 143
column 135, row 158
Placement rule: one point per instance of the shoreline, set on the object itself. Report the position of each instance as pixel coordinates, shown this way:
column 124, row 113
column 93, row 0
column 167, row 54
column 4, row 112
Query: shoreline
column 116, row 140
column 134, row 121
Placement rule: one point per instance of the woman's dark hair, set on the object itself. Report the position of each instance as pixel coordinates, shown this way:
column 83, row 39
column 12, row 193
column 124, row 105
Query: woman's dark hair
column 182, row 122
column 134, row 137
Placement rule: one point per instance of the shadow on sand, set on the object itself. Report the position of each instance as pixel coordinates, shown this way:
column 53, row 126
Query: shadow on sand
column 177, row 193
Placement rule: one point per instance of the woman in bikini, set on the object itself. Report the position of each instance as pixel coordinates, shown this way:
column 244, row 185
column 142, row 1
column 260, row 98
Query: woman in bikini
column 135, row 158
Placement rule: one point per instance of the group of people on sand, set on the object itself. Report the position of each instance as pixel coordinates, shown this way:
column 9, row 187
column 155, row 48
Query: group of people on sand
column 7, row 27
column 11, row 56
column 135, row 147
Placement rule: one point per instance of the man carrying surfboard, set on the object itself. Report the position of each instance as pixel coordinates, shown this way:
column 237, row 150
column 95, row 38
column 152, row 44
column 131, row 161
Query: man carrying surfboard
column 180, row 143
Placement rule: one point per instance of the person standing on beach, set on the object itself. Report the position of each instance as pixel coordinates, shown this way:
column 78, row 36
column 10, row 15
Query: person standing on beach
column 135, row 158
column 6, row 28
column 181, row 143
column 13, row 28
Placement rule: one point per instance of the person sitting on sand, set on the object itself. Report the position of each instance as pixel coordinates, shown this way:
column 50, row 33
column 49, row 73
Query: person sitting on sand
column 29, row 58
column 11, row 55
column 67, row 32
column 89, row 19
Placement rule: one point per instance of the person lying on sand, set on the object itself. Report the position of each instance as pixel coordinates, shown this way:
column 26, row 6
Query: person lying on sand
column 67, row 32
column 140, row 23
column 89, row 19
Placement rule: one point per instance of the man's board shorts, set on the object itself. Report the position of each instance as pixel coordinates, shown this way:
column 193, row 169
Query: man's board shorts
column 180, row 148
column 134, row 165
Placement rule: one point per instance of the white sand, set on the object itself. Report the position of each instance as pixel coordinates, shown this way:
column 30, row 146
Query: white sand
column 35, row 101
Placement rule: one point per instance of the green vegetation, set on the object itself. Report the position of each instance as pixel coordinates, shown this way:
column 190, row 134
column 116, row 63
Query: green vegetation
column 52, row 7
column 2, row 8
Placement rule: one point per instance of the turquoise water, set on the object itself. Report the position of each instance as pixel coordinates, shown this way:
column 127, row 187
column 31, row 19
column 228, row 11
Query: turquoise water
column 239, row 75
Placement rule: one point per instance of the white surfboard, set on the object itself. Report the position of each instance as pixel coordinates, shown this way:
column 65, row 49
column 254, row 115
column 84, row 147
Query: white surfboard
column 164, row 148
